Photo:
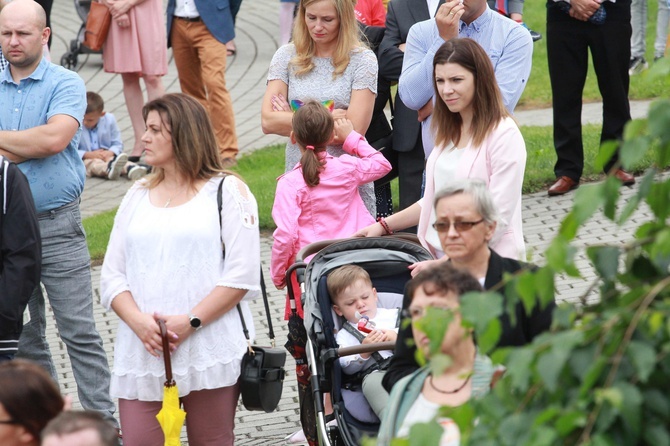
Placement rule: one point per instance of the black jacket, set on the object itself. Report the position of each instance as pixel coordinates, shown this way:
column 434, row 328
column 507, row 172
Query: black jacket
column 526, row 328
column 20, row 253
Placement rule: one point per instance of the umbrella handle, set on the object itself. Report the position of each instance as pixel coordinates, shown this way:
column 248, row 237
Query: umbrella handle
column 166, row 354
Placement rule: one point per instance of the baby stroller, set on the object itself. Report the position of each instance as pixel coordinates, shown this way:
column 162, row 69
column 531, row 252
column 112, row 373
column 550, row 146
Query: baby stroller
column 386, row 259
column 70, row 58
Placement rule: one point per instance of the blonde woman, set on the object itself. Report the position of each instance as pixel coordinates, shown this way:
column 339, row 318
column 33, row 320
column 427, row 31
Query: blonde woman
column 327, row 62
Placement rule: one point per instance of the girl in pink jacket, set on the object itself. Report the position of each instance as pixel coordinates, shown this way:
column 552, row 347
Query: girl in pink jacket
column 319, row 199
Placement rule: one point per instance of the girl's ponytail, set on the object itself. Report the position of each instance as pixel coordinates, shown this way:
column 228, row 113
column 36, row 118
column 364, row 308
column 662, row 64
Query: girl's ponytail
column 313, row 129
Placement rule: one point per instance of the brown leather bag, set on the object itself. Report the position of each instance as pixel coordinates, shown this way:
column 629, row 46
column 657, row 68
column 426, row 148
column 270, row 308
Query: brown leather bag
column 97, row 26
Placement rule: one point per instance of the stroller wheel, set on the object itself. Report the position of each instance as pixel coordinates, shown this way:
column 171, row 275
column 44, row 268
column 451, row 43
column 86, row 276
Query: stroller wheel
column 69, row 61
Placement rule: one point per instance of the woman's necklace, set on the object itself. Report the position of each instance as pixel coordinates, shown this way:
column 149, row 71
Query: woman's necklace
column 169, row 200
column 448, row 392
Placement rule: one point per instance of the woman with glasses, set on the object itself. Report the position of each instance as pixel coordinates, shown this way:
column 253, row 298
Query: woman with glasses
column 475, row 137
column 466, row 221
column 418, row 398
column 29, row 399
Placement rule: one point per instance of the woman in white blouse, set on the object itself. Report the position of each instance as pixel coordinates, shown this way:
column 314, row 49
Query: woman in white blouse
column 475, row 137
column 165, row 260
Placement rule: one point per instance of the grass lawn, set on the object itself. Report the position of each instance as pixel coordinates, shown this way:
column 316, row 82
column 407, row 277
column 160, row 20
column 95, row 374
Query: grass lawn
column 538, row 91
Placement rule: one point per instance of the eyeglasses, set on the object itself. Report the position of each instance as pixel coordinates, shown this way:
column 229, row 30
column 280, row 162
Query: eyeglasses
column 459, row 226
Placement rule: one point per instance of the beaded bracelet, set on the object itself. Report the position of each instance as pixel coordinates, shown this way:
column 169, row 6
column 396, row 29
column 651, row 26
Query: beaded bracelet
column 385, row 226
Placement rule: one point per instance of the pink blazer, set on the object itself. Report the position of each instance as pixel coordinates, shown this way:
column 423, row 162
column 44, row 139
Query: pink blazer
column 332, row 209
column 500, row 161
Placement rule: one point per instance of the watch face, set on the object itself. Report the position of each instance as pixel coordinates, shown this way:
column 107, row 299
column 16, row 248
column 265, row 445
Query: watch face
column 195, row 322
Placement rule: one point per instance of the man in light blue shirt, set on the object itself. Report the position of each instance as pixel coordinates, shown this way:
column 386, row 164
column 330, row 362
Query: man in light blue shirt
column 41, row 109
column 507, row 43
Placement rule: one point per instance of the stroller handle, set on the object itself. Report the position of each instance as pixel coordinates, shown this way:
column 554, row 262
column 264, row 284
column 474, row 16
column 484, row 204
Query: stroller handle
column 315, row 247
column 367, row 348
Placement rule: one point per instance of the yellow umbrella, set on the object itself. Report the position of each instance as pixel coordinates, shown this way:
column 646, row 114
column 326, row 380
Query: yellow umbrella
column 171, row 417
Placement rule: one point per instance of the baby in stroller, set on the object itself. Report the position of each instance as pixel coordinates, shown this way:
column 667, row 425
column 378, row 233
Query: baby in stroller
column 355, row 299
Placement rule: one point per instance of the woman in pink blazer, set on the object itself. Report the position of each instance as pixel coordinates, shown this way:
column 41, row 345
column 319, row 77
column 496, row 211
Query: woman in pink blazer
column 475, row 138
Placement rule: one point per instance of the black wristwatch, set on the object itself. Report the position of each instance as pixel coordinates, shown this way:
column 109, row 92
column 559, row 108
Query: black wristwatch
column 196, row 323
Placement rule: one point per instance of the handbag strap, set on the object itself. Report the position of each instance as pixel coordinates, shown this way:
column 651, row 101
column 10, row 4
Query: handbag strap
column 271, row 333
column 169, row 381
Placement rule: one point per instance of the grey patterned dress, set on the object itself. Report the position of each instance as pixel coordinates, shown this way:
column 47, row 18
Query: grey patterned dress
column 318, row 84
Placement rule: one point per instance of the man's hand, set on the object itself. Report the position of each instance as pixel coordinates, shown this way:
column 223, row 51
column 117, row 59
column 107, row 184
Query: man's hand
column 426, row 111
column 448, row 17
column 583, row 9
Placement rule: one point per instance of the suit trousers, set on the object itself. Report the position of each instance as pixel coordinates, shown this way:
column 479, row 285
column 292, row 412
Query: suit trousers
column 201, row 65
column 568, row 44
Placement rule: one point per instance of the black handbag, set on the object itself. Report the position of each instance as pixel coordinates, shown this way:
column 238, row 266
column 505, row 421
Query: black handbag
column 262, row 370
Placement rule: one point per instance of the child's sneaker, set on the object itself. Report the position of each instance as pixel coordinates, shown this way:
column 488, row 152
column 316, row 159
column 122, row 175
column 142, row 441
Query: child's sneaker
column 115, row 166
column 637, row 65
column 136, row 172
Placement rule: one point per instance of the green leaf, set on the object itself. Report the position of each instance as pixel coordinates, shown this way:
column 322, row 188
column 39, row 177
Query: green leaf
column 489, row 337
column 434, row 324
column 631, row 408
column 425, row 434
column 659, row 199
column 660, row 250
column 612, row 191
column 605, row 152
column 560, row 256
column 659, row 117
column 643, row 357
column 519, row 367
column 479, row 309
column 587, row 200
column 633, row 151
column 550, row 365
column 544, row 286
column 570, row 421
column 656, row 435
column 657, row 402
column 605, row 259
column 542, row 436
column 643, row 189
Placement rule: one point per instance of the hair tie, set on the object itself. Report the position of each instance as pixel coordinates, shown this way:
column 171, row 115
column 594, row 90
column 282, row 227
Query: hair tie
column 310, row 147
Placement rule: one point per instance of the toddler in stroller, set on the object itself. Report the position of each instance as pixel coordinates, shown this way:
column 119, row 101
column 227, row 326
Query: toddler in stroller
column 355, row 299
column 386, row 260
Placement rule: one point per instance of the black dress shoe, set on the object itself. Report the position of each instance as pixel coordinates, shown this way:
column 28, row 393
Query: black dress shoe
column 562, row 185
column 626, row 178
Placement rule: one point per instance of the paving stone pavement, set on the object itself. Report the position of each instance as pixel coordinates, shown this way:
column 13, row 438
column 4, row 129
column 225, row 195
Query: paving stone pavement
column 256, row 43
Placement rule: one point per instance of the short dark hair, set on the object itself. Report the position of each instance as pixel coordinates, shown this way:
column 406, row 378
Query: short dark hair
column 29, row 395
column 94, row 102
column 443, row 278
column 70, row 422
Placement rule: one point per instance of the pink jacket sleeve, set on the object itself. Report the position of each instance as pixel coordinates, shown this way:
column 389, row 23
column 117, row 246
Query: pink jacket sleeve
column 370, row 164
column 285, row 213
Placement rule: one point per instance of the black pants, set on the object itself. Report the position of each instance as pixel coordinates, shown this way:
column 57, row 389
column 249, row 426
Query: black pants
column 408, row 167
column 568, row 44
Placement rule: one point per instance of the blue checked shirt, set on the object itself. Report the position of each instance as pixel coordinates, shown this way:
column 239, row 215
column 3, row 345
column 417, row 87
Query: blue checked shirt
column 507, row 43
column 50, row 90
column 3, row 61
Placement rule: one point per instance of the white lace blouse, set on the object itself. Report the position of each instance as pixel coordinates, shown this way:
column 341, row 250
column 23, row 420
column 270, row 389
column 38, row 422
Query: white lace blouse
column 170, row 259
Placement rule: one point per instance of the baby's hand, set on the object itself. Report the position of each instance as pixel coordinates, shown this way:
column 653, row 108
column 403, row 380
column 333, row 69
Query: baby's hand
column 343, row 127
column 374, row 337
column 390, row 335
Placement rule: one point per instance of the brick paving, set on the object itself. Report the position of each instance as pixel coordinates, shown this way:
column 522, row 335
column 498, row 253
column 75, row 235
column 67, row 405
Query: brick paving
column 256, row 41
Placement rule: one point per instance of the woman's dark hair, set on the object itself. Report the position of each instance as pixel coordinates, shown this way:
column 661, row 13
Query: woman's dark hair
column 193, row 141
column 312, row 127
column 487, row 104
column 29, row 395
column 443, row 278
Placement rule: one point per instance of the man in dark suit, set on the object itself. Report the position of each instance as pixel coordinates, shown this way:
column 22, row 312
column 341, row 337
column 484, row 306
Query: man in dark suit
column 407, row 154
column 198, row 32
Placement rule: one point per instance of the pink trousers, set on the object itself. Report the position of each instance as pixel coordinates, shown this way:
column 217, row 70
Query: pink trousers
column 210, row 419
